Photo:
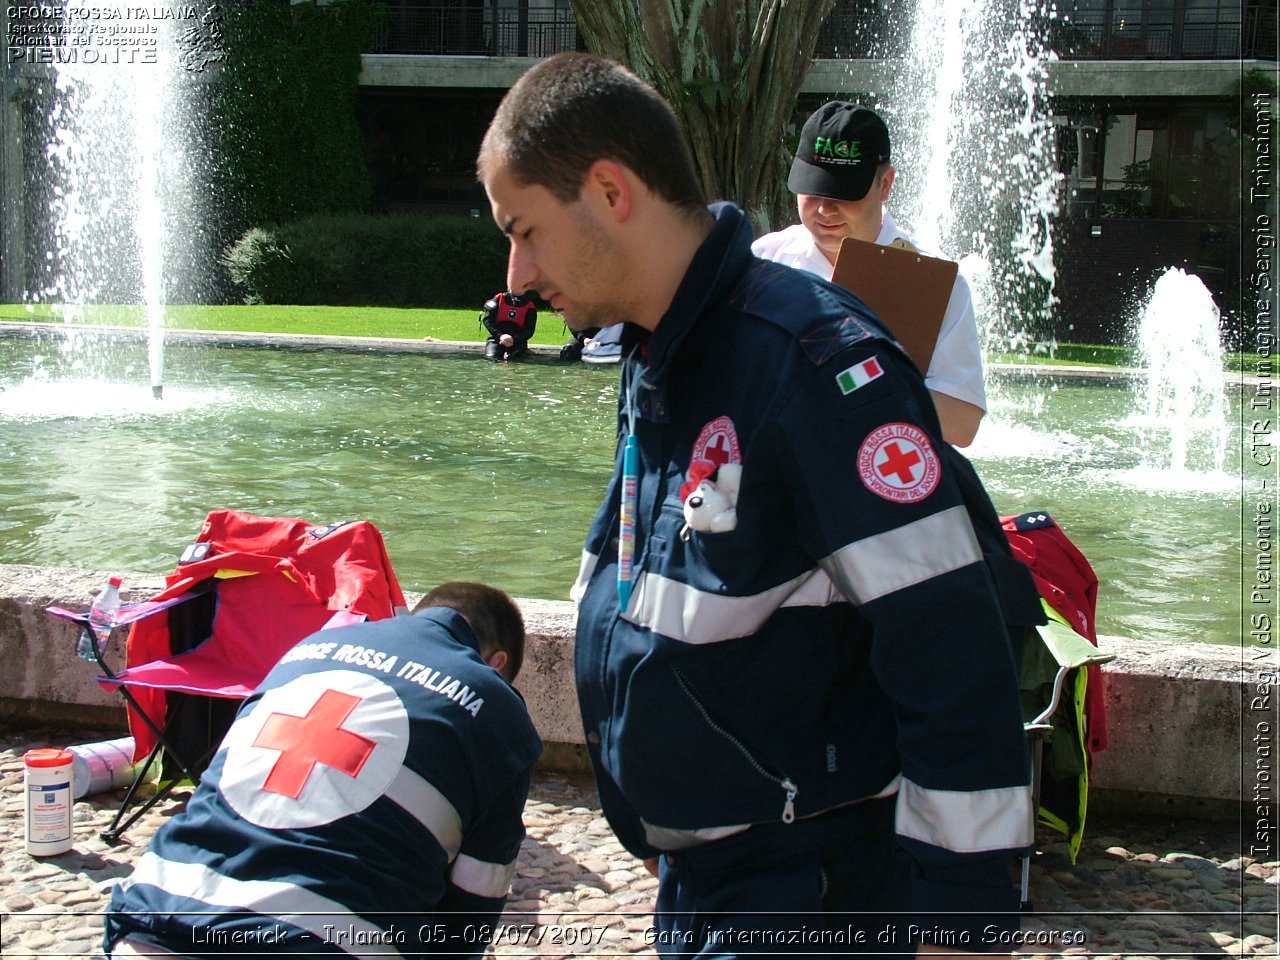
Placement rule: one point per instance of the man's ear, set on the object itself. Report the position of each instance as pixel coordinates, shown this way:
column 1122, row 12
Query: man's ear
column 886, row 183
column 497, row 660
column 609, row 185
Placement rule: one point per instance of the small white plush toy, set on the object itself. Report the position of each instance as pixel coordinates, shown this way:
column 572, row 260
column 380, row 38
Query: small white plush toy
column 710, row 496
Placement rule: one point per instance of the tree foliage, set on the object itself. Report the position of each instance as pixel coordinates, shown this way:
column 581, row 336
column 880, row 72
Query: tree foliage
column 286, row 110
column 731, row 69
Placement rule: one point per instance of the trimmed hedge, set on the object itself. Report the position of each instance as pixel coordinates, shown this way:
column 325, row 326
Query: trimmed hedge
column 397, row 260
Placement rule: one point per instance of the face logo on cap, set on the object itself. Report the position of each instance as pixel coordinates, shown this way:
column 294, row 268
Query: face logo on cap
column 839, row 149
column 318, row 748
column 897, row 462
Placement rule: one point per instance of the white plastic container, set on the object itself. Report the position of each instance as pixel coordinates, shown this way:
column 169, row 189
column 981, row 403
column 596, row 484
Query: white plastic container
column 47, row 781
column 103, row 766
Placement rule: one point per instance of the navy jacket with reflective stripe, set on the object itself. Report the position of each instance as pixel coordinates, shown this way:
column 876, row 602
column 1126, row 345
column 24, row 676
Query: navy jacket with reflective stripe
column 839, row 643
column 441, row 836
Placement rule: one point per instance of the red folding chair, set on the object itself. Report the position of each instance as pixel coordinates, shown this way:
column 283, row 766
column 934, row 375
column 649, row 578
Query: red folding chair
column 246, row 591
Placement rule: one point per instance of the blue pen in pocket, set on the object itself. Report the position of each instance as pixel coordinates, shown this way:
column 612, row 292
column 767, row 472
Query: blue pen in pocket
column 630, row 492
column 627, row 521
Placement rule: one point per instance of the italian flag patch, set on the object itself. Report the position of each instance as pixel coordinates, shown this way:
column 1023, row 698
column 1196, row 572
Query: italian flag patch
column 859, row 375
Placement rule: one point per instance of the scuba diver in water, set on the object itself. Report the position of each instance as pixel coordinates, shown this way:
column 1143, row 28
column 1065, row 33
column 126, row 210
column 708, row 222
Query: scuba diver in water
column 510, row 319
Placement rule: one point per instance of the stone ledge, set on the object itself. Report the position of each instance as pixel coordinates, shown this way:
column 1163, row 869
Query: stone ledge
column 1175, row 711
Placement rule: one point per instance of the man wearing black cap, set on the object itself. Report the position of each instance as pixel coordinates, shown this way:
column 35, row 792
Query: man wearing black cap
column 841, row 177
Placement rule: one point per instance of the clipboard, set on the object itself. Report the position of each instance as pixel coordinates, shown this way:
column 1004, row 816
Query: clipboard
column 907, row 290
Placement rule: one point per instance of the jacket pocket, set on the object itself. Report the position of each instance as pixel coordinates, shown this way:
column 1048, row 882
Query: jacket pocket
column 784, row 783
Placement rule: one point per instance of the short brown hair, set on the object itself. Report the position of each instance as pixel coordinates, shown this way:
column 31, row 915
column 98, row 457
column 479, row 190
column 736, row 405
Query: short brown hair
column 493, row 615
column 573, row 109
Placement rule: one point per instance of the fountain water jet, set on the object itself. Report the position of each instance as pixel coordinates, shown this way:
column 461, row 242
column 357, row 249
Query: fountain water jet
column 974, row 141
column 1182, row 404
column 974, row 144
column 121, row 201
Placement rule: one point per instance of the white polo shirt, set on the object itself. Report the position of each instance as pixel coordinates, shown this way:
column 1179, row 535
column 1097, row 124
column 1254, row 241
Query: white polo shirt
column 956, row 366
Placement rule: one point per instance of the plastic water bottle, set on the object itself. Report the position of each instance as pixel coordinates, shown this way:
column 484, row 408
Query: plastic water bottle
column 102, row 615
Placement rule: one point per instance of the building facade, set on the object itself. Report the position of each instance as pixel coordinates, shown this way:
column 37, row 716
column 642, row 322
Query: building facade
column 1146, row 97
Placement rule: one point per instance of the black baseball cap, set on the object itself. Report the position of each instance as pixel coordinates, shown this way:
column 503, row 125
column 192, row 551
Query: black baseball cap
column 841, row 145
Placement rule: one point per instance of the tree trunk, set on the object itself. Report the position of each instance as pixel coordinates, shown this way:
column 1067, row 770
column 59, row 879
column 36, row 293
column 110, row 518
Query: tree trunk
column 731, row 70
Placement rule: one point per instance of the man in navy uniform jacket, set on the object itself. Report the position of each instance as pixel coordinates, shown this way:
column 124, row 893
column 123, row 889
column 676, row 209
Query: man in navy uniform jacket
column 804, row 710
column 368, row 798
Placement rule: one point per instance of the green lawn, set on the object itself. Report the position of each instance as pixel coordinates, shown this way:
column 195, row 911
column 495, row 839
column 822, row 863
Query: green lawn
column 1074, row 354
column 417, row 323
column 412, row 324
column 1105, row 355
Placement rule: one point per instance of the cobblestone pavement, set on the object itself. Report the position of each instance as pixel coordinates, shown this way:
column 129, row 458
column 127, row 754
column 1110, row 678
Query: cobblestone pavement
column 1141, row 888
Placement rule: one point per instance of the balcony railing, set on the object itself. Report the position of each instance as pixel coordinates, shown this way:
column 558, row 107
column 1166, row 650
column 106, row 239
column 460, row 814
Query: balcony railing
column 857, row 29
column 452, row 30
column 1098, row 35
column 1259, row 32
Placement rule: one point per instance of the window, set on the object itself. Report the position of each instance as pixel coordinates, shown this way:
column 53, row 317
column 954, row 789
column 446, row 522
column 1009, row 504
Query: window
column 1170, row 162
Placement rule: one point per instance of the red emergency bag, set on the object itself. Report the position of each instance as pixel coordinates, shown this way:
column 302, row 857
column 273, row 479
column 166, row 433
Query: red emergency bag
column 1069, row 585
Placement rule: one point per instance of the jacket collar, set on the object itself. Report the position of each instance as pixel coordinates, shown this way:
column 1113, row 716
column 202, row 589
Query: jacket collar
column 454, row 623
column 715, row 267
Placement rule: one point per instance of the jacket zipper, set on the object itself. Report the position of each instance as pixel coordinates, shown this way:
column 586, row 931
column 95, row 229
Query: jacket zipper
column 791, row 790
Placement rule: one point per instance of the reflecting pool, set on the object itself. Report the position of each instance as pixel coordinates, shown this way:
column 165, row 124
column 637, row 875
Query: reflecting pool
column 485, row 471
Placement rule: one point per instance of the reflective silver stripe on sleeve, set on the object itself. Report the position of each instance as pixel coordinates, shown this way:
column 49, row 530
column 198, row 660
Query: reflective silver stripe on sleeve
column 586, row 567
column 482, row 878
column 683, row 612
column 965, row 821
column 129, row 947
column 429, row 807
column 670, row 838
column 889, row 790
column 673, row 838
column 879, row 565
column 859, row 572
column 288, row 902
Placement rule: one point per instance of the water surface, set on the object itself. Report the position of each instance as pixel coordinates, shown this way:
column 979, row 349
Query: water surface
column 493, row 472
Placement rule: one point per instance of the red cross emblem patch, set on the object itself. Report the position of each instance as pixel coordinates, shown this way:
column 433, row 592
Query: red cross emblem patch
column 718, row 443
column 321, row 747
column 308, row 741
column 897, row 462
